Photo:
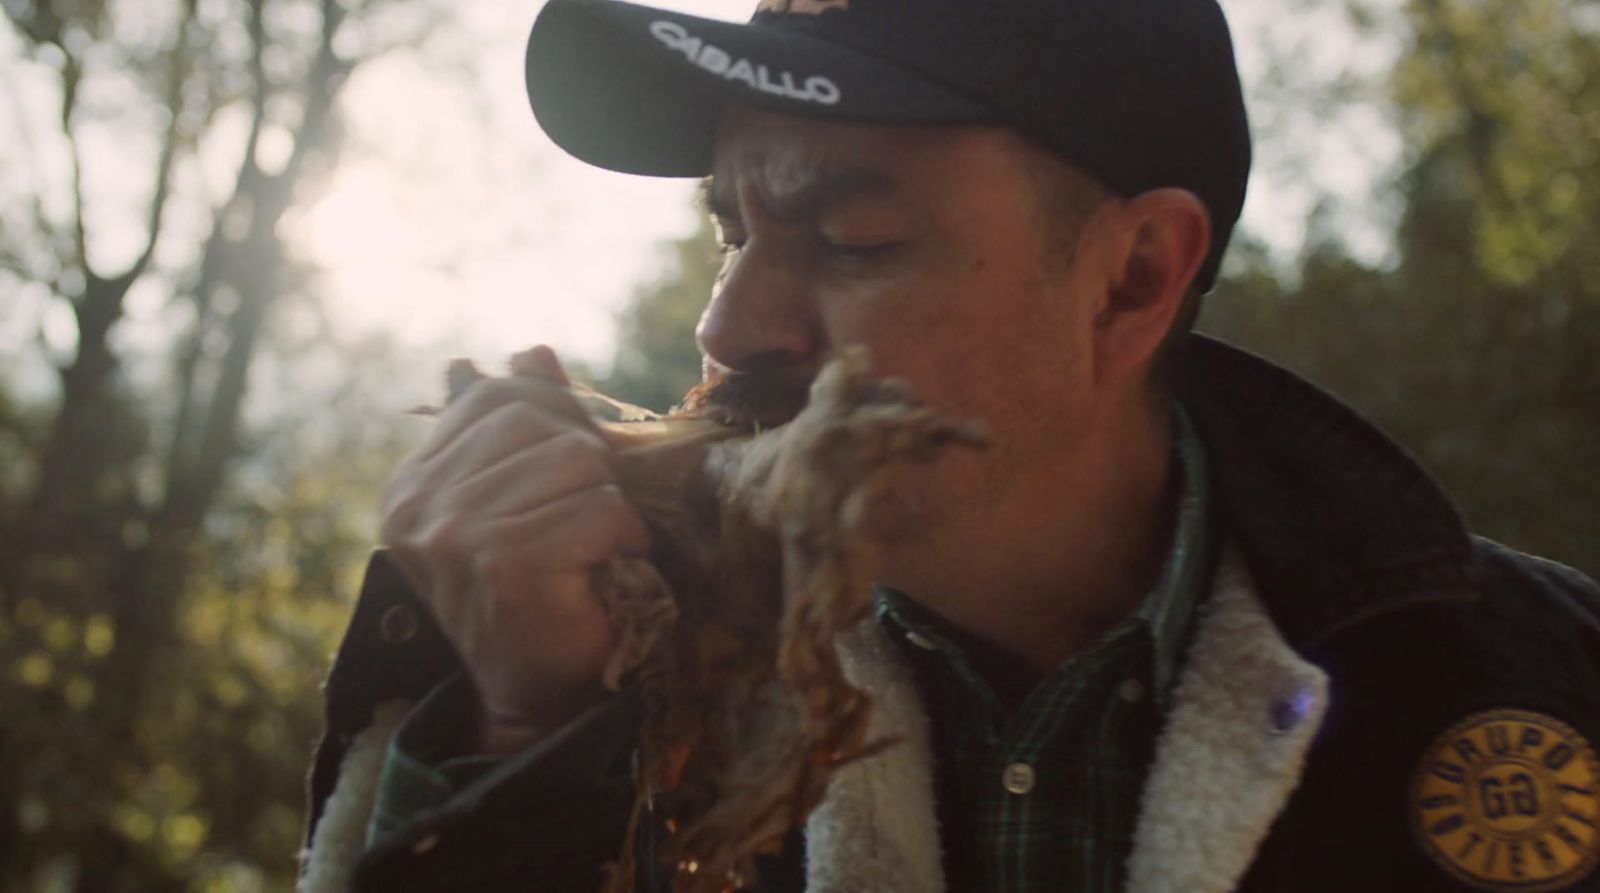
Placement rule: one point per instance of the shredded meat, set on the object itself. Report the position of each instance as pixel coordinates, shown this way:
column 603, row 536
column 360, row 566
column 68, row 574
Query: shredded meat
column 766, row 552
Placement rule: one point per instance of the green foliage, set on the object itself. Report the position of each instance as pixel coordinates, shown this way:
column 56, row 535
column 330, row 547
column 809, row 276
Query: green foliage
column 206, row 792
column 1479, row 348
column 177, row 553
column 1505, row 96
column 657, row 361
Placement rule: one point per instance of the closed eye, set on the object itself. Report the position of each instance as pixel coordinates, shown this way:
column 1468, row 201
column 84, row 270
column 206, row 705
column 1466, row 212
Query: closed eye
column 859, row 252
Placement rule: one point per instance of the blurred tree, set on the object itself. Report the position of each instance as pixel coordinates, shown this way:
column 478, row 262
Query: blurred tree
column 1479, row 346
column 147, row 742
column 656, row 361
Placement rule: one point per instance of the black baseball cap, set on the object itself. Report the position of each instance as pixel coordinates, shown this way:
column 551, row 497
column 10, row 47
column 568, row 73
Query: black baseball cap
column 1142, row 94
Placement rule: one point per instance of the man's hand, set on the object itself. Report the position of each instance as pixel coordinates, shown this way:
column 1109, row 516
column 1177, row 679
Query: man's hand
column 498, row 522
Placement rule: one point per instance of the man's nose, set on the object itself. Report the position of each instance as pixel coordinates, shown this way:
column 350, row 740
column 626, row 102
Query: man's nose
column 759, row 313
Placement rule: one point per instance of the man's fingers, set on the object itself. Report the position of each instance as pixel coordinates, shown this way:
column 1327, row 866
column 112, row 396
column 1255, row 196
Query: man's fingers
column 502, row 518
column 520, row 556
column 578, row 530
column 489, row 395
column 559, row 465
column 509, row 429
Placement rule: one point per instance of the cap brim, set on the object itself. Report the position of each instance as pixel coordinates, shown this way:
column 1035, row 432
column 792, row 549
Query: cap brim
column 639, row 90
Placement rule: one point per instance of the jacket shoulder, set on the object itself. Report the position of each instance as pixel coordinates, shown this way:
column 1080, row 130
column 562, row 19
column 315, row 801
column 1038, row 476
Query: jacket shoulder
column 1510, row 572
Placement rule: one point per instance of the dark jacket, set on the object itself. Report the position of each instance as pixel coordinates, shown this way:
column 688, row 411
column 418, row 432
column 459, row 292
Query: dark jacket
column 1463, row 683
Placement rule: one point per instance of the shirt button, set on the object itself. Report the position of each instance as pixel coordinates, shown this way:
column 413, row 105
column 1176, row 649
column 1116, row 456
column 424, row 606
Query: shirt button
column 1131, row 690
column 920, row 640
column 1018, row 778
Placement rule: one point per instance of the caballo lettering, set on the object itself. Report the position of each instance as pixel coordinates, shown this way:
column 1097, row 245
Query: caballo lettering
column 756, row 76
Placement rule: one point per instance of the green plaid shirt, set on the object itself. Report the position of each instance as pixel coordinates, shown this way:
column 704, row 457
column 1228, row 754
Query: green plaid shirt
column 1038, row 784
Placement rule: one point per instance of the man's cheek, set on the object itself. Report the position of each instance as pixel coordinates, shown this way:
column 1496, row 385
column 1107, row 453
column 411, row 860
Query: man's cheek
column 914, row 501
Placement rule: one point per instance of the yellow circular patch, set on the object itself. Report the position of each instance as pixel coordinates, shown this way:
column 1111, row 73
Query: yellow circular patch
column 1510, row 800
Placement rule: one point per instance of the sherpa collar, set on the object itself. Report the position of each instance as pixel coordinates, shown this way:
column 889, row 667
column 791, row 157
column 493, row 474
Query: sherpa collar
column 1245, row 711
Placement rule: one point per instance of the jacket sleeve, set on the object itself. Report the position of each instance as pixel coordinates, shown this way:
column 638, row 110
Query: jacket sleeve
column 546, row 819
column 391, row 651
column 427, row 763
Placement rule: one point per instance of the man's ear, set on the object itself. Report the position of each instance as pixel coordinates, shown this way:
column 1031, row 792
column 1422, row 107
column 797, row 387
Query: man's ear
column 1162, row 239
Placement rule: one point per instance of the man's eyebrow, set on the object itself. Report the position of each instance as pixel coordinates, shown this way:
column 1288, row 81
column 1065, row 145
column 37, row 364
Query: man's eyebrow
column 817, row 191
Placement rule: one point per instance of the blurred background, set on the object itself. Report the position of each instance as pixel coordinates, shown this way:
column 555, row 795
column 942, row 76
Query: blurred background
column 238, row 238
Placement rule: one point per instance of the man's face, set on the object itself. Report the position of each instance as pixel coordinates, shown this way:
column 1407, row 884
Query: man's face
column 926, row 245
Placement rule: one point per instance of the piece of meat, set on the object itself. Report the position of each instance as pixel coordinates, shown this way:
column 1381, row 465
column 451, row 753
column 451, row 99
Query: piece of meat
column 766, row 552
column 765, row 549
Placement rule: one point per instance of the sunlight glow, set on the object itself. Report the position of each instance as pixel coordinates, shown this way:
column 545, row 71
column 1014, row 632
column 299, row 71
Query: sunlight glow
column 454, row 225
column 451, row 224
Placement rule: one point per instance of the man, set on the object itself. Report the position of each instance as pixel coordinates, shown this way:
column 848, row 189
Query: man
column 1188, row 624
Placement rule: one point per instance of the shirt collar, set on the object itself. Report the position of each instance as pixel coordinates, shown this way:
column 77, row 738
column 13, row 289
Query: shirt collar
column 1169, row 606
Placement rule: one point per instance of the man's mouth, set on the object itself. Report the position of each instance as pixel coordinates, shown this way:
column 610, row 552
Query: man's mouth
column 754, row 401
